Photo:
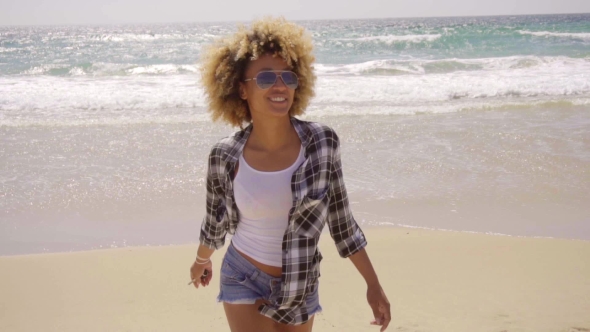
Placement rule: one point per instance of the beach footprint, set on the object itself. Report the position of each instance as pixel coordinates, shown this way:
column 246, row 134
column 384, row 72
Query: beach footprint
column 504, row 322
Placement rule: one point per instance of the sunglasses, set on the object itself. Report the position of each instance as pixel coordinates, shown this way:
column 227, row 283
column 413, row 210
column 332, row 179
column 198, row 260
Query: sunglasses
column 266, row 79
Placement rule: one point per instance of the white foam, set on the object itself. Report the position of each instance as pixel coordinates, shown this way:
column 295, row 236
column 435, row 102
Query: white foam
column 496, row 78
column 574, row 35
column 39, row 70
column 481, row 84
column 123, row 37
column 369, row 67
column 350, row 89
column 421, row 67
column 162, row 69
column 391, row 39
column 112, row 69
column 77, row 71
column 109, row 100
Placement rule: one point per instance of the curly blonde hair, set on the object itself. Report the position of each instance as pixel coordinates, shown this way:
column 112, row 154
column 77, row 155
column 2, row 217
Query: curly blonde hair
column 224, row 63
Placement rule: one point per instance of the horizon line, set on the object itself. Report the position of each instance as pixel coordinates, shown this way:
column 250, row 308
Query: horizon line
column 292, row 20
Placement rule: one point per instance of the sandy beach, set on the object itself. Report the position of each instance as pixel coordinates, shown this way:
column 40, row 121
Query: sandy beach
column 435, row 280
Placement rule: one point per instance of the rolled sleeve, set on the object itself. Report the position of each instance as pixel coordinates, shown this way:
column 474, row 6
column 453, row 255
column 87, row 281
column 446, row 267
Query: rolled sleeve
column 213, row 228
column 347, row 235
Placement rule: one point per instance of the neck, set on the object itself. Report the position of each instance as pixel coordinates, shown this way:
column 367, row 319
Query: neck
column 272, row 134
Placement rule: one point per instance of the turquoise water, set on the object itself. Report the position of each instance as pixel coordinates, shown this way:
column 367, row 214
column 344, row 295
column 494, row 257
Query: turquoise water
column 91, row 49
column 445, row 38
column 435, row 64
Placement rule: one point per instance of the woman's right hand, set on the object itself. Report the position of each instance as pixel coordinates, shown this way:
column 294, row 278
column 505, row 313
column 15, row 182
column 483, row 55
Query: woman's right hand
column 198, row 273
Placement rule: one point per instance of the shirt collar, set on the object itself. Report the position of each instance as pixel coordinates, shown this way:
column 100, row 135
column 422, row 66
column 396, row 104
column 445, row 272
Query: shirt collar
column 240, row 138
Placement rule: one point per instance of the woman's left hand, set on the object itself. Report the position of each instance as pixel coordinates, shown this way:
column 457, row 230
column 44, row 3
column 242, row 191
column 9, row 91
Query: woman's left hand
column 380, row 306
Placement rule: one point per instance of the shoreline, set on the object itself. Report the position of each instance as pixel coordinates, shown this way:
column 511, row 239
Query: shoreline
column 325, row 233
column 435, row 281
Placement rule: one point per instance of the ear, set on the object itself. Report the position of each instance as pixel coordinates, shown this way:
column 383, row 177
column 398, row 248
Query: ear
column 242, row 91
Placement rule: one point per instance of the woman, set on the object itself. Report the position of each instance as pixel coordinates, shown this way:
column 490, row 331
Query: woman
column 273, row 185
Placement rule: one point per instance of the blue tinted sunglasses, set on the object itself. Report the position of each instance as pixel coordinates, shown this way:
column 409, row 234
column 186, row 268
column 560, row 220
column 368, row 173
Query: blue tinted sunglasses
column 266, row 79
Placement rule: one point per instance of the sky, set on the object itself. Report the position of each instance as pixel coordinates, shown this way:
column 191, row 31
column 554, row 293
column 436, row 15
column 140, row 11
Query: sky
column 41, row 12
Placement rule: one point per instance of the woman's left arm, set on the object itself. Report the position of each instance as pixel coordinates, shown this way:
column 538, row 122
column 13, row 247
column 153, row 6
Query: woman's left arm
column 350, row 240
column 375, row 294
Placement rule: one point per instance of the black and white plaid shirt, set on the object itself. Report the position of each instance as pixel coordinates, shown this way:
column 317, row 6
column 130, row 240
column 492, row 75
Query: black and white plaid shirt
column 319, row 196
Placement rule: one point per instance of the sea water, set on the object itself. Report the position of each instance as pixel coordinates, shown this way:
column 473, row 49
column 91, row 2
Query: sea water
column 478, row 124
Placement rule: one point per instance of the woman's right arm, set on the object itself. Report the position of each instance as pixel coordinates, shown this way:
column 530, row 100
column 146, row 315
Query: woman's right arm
column 213, row 229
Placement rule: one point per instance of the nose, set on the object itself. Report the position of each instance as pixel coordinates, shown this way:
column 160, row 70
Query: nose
column 279, row 84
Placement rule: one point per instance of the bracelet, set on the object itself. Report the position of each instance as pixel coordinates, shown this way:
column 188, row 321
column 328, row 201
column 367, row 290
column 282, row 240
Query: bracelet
column 201, row 258
column 201, row 263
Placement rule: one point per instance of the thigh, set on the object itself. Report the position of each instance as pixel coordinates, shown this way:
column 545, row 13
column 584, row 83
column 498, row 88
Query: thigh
column 295, row 328
column 246, row 318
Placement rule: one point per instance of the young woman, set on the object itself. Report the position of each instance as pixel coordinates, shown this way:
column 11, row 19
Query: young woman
column 274, row 185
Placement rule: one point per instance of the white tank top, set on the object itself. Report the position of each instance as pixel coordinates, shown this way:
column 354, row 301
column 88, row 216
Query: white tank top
column 263, row 200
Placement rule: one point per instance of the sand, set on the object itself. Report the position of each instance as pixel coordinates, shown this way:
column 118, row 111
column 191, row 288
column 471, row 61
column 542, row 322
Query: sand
column 435, row 281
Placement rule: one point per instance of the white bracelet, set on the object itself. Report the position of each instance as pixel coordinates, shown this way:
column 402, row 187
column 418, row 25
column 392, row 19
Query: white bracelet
column 201, row 263
column 201, row 258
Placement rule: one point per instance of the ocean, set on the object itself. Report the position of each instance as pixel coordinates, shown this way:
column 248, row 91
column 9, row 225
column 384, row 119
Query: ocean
column 472, row 124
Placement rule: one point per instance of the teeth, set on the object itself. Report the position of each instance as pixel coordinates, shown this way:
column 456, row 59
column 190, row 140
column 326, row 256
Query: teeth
column 278, row 99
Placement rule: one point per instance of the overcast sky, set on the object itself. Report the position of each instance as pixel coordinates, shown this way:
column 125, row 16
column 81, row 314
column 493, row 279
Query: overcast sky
column 32, row 12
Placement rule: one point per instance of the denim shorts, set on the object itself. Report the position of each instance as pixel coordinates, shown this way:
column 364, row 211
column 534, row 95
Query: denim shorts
column 243, row 283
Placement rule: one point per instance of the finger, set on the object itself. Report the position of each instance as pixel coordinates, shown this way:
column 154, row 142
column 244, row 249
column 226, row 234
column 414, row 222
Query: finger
column 196, row 283
column 378, row 320
column 208, row 277
column 192, row 273
column 386, row 311
column 384, row 327
column 203, row 280
column 192, row 279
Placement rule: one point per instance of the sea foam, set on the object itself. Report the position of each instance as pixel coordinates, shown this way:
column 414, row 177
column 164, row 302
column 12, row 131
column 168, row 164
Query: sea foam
column 390, row 39
column 422, row 66
column 382, row 86
column 573, row 35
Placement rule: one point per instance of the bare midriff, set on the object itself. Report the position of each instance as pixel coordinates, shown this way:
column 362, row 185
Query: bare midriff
column 274, row 271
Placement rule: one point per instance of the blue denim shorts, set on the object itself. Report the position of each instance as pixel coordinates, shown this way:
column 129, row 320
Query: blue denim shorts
column 243, row 283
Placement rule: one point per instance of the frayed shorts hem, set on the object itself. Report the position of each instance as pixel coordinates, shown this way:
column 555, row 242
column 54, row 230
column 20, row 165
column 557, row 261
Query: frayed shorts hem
column 238, row 301
column 317, row 310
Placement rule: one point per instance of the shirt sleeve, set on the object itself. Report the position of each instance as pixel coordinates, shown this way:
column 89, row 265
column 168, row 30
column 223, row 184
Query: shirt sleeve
column 213, row 228
column 347, row 235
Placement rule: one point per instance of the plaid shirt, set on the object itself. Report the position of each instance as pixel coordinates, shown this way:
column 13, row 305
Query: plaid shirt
column 319, row 196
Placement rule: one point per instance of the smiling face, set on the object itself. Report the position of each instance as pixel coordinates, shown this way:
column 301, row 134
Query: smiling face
column 275, row 101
